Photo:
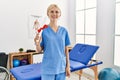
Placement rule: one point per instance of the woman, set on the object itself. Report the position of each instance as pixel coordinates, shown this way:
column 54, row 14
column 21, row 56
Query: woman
column 54, row 42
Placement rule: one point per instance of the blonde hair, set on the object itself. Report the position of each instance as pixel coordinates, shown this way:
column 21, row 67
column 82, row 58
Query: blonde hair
column 52, row 6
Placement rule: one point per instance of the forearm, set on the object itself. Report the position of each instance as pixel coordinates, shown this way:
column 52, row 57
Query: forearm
column 67, row 57
column 67, row 62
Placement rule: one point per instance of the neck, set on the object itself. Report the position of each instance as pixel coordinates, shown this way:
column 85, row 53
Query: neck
column 53, row 24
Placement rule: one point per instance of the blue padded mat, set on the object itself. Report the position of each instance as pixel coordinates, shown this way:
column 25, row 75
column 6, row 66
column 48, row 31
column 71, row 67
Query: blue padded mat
column 74, row 65
column 27, row 72
column 83, row 53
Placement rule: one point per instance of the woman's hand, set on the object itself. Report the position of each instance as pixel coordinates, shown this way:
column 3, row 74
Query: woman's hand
column 37, row 39
column 68, row 71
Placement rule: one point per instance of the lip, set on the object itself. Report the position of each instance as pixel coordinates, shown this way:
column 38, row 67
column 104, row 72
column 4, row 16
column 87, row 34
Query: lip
column 54, row 17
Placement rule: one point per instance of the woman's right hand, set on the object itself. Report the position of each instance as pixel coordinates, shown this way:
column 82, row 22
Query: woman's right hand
column 37, row 39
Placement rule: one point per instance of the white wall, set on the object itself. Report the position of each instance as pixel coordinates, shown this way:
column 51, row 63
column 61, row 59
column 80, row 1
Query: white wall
column 105, row 31
column 71, row 21
column 14, row 21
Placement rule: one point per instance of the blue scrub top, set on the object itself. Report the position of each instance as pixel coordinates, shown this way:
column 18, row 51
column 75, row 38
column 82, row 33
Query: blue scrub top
column 54, row 58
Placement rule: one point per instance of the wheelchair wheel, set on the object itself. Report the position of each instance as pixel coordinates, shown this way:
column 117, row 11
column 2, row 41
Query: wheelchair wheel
column 4, row 73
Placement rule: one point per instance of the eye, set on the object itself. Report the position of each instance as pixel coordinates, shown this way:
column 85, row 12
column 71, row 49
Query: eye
column 56, row 11
column 51, row 11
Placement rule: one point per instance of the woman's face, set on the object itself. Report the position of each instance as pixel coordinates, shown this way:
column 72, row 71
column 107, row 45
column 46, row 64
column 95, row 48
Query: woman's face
column 54, row 13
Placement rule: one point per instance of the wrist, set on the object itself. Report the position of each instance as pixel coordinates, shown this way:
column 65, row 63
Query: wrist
column 37, row 44
column 67, row 65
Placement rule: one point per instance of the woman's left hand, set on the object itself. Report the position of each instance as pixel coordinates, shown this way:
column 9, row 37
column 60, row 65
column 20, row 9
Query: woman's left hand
column 68, row 71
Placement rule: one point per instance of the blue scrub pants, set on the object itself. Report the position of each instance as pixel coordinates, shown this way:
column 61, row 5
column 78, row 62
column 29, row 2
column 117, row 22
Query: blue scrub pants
column 61, row 76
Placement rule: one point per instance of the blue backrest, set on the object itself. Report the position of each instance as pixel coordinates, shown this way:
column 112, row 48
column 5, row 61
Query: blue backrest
column 83, row 52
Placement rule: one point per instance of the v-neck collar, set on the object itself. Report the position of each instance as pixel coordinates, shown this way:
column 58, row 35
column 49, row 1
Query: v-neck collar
column 53, row 30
